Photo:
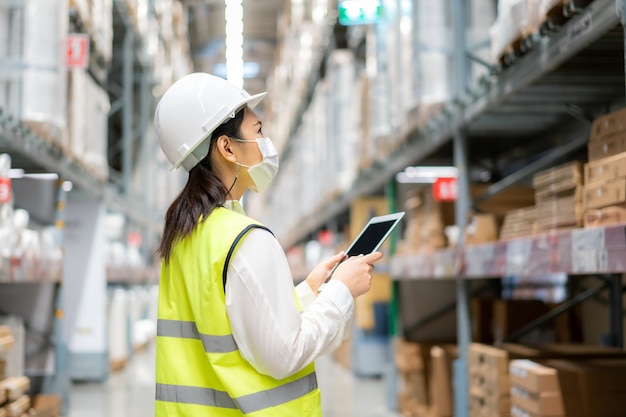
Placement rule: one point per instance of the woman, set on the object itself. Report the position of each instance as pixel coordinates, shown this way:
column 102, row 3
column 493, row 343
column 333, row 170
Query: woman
column 234, row 338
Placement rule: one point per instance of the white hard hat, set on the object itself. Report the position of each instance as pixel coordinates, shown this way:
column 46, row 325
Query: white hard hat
column 190, row 110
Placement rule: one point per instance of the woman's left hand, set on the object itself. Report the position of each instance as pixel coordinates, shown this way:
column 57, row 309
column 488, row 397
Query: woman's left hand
column 321, row 272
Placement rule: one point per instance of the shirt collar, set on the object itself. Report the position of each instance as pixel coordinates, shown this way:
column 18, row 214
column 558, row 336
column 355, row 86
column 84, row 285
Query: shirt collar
column 234, row 205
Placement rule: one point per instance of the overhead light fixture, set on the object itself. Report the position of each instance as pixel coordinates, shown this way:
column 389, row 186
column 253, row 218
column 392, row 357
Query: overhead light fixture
column 17, row 173
column 426, row 174
column 250, row 70
column 234, row 42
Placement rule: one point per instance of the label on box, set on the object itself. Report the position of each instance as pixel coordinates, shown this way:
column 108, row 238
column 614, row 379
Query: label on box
column 517, row 256
column 5, row 190
column 583, row 239
column 518, row 412
column 590, row 261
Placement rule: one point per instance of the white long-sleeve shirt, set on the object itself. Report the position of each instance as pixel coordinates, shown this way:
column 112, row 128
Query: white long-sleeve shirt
column 269, row 331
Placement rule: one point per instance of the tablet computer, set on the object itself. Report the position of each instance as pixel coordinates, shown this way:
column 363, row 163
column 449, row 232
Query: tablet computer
column 373, row 235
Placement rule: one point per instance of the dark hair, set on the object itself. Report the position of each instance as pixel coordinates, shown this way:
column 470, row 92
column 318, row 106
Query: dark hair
column 203, row 192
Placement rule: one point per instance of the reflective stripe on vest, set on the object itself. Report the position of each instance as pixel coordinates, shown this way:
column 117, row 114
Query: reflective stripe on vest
column 247, row 404
column 189, row 330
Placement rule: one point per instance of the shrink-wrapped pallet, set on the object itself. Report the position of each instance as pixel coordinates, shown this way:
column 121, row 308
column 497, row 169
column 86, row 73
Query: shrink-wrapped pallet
column 32, row 49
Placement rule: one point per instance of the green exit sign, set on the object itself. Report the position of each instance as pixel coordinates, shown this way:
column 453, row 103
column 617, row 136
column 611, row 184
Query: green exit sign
column 359, row 12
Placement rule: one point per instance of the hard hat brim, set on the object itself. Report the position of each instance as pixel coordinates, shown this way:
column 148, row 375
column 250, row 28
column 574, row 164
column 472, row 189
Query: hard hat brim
column 251, row 102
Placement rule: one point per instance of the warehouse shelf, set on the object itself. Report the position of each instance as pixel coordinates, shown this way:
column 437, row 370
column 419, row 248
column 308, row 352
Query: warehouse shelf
column 33, row 153
column 36, row 271
column 592, row 251
column 132, row 276
column 555, row 81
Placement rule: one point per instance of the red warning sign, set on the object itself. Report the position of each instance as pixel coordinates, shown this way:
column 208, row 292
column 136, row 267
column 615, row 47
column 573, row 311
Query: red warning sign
column 77, row 51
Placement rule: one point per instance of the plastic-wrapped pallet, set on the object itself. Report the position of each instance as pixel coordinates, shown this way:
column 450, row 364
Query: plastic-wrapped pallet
column 516, row 19
column 341, row 77
column 88, row 122
column 31, row 51
column 102, row 28
column 434, row 34
column 118, row 329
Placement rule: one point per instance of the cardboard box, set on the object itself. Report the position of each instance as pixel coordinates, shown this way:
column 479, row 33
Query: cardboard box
column 572, row 404
column 6, row 339
column 605, row 217
column 560, row 178
column 605, row 169
column 442, row 358
column 605, row 194
column 15, row 386
column 513, row 228
column 608, row 125
column 18, row 407
column 501, row 204
column 484, row 406
column 559, row 212
column 558, row 375
column 603, row 148
column 415, row 386
column 412, row 356
column 362, row 210
column 46, row 406
column 482, row 228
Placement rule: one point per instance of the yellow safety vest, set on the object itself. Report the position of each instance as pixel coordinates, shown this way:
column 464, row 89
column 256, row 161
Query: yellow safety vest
column 199, row 370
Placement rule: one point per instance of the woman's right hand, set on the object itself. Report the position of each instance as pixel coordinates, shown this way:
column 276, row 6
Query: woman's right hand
column 356, row 273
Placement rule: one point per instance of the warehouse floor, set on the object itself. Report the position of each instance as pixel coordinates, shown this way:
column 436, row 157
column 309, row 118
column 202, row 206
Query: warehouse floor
column 130, row 392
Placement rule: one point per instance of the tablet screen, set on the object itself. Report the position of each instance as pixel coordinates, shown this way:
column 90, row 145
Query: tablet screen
column 370, row 238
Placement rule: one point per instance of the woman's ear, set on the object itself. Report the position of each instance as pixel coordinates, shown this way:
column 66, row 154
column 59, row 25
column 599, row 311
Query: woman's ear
column 223, row 147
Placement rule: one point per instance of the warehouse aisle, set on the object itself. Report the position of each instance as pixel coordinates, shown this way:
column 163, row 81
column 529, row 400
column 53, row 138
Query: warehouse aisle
column 130, row 393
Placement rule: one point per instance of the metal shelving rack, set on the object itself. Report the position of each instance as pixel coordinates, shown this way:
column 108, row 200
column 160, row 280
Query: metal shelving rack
column 530, row 97
column 36, row 154
column 566, row 76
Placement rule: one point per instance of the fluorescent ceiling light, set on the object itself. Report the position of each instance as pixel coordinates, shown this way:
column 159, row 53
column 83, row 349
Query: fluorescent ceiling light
column 234, row 42
column 250, row 70
column 17, row 173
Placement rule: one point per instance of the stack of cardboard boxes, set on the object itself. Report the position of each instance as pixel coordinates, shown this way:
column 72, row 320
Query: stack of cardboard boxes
column 14, row 401
column 426, row 378
column 519, row 223
column 489, row 382
column 495, row 374
column 564, row 388
column 605, row 174
column 426, row 222
column 558, row 197
column 413, row 365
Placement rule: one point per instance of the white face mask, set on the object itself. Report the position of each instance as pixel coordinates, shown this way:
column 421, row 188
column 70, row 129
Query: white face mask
column 264, row 172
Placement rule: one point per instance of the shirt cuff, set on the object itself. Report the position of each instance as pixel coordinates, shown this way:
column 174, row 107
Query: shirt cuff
column 339, row 295
column 305, row 294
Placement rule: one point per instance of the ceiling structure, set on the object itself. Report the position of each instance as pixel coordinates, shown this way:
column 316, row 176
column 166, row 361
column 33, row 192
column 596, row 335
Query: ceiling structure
column 207, row 37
